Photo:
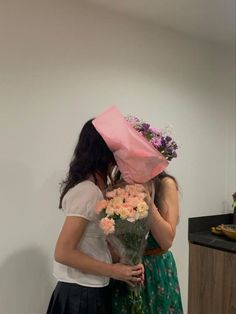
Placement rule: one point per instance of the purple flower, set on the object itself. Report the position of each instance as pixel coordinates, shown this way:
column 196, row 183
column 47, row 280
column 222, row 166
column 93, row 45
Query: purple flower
column 160, row 139
column 175, row 146
column 163, row 142
column 168, row 138
column 145, row 126
column 174, row 155
column 156, row 142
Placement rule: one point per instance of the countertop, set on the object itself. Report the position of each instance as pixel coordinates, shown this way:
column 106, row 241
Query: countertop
column 199, row 232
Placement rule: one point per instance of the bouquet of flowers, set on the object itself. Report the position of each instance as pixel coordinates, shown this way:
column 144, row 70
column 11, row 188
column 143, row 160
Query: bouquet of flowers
column 124, row 219
column 159, row 138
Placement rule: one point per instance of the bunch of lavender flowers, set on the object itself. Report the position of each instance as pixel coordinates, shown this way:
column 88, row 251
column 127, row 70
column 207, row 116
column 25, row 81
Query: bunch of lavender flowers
column 160, row 139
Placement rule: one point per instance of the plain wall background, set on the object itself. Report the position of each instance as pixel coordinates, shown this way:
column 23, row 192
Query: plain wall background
column 63, row 62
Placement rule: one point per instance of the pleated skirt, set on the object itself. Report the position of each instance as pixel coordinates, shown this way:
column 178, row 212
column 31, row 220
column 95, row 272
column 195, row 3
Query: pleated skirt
column 70, row 298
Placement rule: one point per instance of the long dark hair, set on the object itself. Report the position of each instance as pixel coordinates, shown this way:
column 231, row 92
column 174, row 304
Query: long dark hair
column 91, row 156
column 158, row 186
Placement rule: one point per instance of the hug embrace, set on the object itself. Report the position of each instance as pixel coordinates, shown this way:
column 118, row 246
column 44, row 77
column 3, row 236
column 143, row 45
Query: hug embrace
column 115, row 258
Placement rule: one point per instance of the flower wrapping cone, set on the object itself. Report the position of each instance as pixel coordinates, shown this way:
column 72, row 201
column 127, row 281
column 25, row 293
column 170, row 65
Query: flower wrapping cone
column 137, row 159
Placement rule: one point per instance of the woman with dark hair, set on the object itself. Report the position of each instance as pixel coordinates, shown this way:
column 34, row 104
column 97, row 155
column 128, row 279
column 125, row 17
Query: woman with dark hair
column 161, row 292
column 83, row 263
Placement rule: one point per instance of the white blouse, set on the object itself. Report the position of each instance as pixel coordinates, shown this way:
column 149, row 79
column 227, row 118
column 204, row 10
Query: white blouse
column 80, row 201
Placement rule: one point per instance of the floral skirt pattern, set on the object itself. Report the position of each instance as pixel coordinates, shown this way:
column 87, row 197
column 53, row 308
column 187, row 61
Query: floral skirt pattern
column 161, row 293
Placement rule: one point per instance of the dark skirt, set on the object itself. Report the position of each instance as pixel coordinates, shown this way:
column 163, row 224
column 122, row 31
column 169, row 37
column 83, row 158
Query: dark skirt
column 70, row 298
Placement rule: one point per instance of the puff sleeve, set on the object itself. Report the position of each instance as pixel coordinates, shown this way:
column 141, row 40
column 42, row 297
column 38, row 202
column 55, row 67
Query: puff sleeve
column 81, row 200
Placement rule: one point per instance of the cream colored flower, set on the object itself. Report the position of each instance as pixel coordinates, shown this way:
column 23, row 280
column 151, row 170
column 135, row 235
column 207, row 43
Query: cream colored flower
column 124, row 213
column 117, row 200
column 110, row 210
column 142, row 210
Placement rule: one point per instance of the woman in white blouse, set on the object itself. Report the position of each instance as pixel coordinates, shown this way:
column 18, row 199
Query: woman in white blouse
column 83, row 263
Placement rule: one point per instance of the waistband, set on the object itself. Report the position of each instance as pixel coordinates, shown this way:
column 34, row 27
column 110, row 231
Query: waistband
column 154, row 252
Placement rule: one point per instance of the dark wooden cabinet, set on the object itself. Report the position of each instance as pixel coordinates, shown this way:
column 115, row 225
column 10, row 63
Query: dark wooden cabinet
column 212, row 281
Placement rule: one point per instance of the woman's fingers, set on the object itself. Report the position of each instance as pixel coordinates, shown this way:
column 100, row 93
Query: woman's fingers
column 138, row 266
column 136, row 273
column 135, row 279
column 138, row 270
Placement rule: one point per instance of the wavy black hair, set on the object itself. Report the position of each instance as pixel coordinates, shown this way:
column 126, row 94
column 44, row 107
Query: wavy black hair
column 91, row 156
column 158, row 186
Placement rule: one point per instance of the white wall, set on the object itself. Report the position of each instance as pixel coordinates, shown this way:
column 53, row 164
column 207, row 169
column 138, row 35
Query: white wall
column 62, row 63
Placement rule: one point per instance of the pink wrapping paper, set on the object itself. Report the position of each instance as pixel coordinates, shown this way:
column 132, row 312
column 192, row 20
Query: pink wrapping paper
column 136, row 158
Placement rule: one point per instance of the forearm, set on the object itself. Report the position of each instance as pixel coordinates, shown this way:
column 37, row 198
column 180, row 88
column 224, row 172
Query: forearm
column 77, row 259
column 161, row 230
column 66, row 253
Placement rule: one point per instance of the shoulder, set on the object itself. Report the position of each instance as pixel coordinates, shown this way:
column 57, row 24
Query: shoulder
column 85, row 190
column 169, row 182
column 86, row 186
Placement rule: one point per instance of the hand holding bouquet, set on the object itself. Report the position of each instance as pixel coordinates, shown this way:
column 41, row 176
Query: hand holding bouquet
column 124, row 219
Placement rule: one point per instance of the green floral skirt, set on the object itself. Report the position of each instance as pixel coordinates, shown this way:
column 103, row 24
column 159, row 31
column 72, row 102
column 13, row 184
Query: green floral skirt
column 161, row 293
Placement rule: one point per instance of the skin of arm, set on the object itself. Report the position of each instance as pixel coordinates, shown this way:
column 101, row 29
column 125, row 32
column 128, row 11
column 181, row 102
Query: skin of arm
column 165, row 218
column 66, row 252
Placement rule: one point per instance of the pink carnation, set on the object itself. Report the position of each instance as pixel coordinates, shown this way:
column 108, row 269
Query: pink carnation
column 111, row 194
column 107, row 225
column 133, row 201
column 120, row 192
column 100, row 206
